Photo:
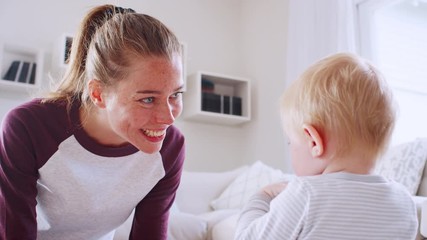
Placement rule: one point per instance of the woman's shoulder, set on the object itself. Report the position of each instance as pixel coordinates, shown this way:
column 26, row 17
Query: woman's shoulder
column 174, row 133
column 174, row 141
column 39, row 114
column 39, row 126
column 38, row 107
column 173, row 149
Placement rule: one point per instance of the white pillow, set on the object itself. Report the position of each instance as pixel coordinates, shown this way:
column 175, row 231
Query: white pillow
column 404, row 164
column 186, row 226
column 246, row 184
column 214, row 217
column 422, row 189
column 123, row 231
column 226, row 228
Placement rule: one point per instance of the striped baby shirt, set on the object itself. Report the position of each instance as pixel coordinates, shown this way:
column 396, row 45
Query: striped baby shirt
column 331, row 206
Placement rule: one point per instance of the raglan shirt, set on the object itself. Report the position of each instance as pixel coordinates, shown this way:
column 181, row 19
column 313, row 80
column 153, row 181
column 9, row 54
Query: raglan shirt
column 58, row 183
column 331, row 206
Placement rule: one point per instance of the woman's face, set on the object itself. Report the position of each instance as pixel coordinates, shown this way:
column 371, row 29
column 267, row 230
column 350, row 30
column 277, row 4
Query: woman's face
column 139, row 108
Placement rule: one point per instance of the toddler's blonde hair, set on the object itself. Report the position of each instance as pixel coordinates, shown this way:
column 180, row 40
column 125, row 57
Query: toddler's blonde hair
column 346, row 99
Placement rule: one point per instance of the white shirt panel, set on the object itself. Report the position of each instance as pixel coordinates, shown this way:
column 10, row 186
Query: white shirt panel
column 104, row 189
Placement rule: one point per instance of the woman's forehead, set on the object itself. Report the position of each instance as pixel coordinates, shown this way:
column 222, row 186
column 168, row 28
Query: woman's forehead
column 154, row 74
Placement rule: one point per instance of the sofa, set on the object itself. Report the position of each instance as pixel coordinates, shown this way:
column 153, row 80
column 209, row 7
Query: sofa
column 208, row 204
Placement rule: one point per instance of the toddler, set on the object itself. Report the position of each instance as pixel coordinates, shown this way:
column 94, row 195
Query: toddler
column 338, row 117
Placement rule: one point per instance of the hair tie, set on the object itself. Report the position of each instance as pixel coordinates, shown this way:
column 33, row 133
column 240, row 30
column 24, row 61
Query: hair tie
column 118, row 10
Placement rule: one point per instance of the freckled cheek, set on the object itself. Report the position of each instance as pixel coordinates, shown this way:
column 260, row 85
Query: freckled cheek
column 177, row 110
column 137, row 118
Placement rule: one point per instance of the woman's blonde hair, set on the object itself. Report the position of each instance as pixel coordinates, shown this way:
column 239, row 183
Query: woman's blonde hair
column 345, row 98
column 109, row 39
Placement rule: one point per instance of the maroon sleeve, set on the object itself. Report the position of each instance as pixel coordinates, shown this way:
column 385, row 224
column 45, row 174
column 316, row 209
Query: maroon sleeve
column 152, row 213
column 18, row 181
column 26, row 143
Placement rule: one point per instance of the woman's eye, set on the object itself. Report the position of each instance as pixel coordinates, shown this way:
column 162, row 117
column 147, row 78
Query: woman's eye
column 176, row 95
column 147, row 100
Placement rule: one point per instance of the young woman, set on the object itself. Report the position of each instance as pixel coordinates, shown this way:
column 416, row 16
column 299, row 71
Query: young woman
column 76, row 163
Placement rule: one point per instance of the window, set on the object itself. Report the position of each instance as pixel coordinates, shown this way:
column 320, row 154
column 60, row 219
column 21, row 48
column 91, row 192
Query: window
column 393, row 35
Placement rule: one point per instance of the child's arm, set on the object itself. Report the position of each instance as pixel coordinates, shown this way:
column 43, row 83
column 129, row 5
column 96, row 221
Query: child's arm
column 274, row 189
column 261, row 200
column 273, row 213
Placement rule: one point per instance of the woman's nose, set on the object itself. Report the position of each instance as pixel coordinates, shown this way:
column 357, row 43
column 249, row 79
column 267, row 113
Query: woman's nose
column 165, row 114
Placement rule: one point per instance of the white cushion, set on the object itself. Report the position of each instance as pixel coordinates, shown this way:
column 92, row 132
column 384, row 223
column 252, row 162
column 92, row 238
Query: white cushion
column 186, row 226
column 198, row 189
column 247, row 184
column 213, row 217
column 421, row 202
column 423, row 222
column 225, row 229
column 123, row 231
column 422, row 189
column 405, row 163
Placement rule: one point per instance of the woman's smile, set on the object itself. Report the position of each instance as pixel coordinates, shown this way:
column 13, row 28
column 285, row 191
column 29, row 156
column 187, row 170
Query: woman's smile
column 154, row 135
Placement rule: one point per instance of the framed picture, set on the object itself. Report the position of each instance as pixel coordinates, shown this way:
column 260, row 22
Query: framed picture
column 62, row 51
column 68, row 41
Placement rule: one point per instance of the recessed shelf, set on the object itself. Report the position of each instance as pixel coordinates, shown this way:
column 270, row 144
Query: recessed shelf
column 20, row 68
column 216, row 98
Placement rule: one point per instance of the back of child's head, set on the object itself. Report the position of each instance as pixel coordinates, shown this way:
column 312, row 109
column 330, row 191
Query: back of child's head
column 346, row 99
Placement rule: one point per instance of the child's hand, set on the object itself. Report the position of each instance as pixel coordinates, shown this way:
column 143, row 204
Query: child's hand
column 274, row 189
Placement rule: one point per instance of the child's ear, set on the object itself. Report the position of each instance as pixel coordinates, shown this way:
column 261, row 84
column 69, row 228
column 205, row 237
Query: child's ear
column 95, row 93
column 314, row 139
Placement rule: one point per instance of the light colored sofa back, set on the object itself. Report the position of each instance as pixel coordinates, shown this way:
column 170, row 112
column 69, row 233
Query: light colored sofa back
column 198, row 189
column 422, row 190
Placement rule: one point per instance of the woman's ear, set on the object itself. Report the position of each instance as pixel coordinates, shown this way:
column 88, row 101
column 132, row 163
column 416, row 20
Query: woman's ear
column 95, row 93
column 314, row 139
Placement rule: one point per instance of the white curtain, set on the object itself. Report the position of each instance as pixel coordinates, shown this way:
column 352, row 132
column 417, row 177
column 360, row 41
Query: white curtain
column 321, row 27
column 318, row 28
column 397, row 46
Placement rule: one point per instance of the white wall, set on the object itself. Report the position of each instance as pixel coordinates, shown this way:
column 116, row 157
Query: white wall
column 264, row 25
column 241, row 38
